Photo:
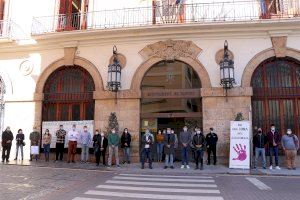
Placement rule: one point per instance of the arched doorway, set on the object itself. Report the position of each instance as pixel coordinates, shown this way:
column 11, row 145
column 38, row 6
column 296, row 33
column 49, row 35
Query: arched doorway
column 68, row 95
column 276, row 94
column 170, row 97
column 2, row 92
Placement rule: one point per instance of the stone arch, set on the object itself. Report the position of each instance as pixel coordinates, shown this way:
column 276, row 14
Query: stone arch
column 185, row 51
column 90, row 67
column 259, row 58
column 5, row 79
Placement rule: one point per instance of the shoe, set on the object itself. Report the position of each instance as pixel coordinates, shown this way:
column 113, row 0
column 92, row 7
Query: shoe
column 165, row 167
column 142, row 167
column 172, row 167
column 271, row 167
column 128, row 162
column 97, row 164
column 215, row 163
column 108, row 166
column 73, row 161
column 201, row 168
column 208, row 163
column 182, row 167
column 277, row 167
column 30, row 159
column 196, row 168
column 15, row 159
column 68, row 162
column 2, row 161
column 188, row 167
column 118, row 166
column 294, row 168
column 254, row 167
column 7, row 161
column 264, row 168
column 289, row 168
column 150, row 167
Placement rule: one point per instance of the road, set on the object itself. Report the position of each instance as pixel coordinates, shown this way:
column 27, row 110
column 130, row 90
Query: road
column 46, row 183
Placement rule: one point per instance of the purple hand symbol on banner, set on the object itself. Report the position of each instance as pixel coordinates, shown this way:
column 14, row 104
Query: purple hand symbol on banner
column 241, row 151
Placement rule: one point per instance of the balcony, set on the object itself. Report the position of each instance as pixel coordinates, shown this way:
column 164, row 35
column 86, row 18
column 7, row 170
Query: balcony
column 238, row 11
column 10, row 31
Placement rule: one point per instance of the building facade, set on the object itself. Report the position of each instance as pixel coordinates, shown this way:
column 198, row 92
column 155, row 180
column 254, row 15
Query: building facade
column 54, row 57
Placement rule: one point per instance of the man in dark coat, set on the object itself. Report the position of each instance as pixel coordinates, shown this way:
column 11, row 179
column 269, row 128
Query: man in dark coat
column 211, row 144
column 100, row 145
column 7, row 138
column 259, row 141
column 199, row 143
column 169, row 148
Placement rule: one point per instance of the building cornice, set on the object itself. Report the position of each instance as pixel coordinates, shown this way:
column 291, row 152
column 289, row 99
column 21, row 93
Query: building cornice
column 213, row 30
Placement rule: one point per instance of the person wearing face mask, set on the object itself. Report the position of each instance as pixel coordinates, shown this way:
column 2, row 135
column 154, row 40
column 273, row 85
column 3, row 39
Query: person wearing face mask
column 113, row 147
column 199, row 143
column 290, row 145
column 211, row 144
column 125, row 144
column 20, row 143
column 159, row 145
column 259, row 142
column 60, row 143
column 7, row 137
column 99, row 143
column 169, row 148
column 35, row 138
column 85, row 140
column 185, row 139
column 274, row 139
column 147, row 141
column 72, row 137
column 46, row 144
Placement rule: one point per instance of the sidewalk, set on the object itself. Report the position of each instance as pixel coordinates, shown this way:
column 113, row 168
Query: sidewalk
column 158, row 168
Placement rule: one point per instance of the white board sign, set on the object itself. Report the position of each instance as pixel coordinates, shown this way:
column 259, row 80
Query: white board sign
column 240, row 145
column 53, row 126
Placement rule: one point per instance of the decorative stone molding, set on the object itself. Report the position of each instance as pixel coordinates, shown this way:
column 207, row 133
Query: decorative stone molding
column 259, row 58
column 26, row 67
column 279, row 46
column 69, row 55
column 220, row 54
column 121, row 58
column 171, row 50
column 219, row 92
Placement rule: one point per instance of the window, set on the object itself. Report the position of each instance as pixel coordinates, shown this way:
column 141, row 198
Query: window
column 68, row 95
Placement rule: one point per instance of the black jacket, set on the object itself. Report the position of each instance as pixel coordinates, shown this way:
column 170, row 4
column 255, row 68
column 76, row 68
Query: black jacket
column 211, row 139
column 20, row 138
column 7, row 135
column 125, row 138
column 144, row 141
column 97, row 142
column 260, row 140
column 199, row 140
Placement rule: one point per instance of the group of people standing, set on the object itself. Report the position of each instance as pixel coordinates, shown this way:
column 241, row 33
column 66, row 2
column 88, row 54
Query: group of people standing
column 272, row 140
column 167, row 141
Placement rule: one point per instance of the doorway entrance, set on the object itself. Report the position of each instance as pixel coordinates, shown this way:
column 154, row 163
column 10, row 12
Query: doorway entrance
column 170, row 99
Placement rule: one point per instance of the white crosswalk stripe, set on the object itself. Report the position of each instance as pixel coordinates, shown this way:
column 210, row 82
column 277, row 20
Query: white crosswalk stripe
column 145, row 186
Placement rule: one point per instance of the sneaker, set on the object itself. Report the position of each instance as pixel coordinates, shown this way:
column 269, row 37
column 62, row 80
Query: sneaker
column 196, row 167
column 182, row 167
column 188, row 167
column 150, row 167
column 271, row 167
column 264, row 168
column 254, row 167
column 118, row 166
column 142, row 167
column 165, row 167
column 15, row 159
column 277, row 167
column 294, row 168
column 172, row 167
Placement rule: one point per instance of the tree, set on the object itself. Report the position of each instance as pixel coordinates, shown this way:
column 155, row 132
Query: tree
column 113, row 122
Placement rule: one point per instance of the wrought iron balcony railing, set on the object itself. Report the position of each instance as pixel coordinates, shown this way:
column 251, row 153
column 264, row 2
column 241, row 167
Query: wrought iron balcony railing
column 234, row 11
column 10, row 30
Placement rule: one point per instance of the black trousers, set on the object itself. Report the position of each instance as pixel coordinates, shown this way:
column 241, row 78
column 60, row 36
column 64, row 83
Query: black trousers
column 212, row 149
column 60, row 151
column 100, row 154
column 6, row 152
column 199, row 157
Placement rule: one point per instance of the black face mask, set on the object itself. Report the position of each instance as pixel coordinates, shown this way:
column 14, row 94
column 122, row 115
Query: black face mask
column 259, row 132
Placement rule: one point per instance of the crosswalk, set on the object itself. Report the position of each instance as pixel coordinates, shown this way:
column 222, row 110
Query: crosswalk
column 145, row 186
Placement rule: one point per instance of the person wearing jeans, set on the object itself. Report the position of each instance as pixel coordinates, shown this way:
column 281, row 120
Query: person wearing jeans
column 185, row 139
column 113, row 147
column 274, row 139
column 46, row 144
column 125, row 144
column 85, row 140
column 290, row 145
column 159, row 145
column 20, row 143
column 259, row 142
column 147, row 141
column 169, row 148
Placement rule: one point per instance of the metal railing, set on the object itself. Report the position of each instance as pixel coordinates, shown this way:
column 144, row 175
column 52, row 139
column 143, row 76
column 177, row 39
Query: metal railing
column 168, row 14
column 10, row 30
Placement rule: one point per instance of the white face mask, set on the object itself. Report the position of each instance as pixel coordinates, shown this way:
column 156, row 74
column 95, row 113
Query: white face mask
column 198, row 132
column 289, row 132
column 126, row 131
column 273, row 129
column 102, row 134
column 85, row 129
column 96, row 133
column 113, row 131
column 185, row 129
column 74, row 129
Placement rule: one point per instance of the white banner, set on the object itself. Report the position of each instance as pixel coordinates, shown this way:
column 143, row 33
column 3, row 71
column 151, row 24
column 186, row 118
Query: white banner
column 53, row 126
column 240, row 145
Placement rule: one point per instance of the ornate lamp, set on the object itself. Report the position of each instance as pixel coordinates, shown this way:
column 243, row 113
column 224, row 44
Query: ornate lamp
column 114, row 73
column 227, row 69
